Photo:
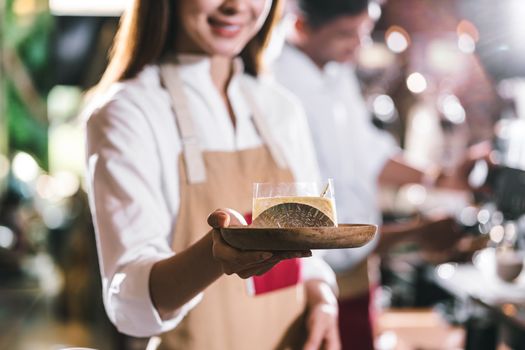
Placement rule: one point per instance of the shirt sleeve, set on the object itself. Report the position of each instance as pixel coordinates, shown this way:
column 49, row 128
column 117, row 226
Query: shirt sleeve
column 376, row 146
column 132, row 222
column 315, row 268
column 384, row 146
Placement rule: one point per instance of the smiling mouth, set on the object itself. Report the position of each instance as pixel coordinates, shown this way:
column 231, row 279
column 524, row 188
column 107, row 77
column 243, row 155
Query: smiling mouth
column 225, row 29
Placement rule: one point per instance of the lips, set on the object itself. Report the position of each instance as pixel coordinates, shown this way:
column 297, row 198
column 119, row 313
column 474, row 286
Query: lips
column 224, row 28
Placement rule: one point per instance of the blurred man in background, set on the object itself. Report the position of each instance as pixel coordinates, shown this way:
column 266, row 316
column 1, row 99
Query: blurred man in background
column 317, row 64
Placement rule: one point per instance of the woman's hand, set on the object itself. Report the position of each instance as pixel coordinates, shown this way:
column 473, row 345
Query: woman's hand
column 321, row 322
column 243, row 263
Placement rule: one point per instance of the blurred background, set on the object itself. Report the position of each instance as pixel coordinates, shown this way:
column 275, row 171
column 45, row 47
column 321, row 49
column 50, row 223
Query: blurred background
column 438, row 75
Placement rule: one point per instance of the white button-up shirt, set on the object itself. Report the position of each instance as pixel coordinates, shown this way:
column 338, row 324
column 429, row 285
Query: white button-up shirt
column 133, row 143
column 350, row 149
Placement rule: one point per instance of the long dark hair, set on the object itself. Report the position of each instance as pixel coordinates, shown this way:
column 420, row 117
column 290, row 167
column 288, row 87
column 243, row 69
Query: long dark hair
column 147, row 31
column 319, row 12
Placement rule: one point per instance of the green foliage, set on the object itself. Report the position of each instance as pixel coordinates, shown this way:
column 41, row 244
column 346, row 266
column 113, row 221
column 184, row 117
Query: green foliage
column 25, row 133
column 29, row 38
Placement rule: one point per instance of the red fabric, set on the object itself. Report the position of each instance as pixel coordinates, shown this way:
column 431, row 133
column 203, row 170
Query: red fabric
column 356, row 323
column 287, row 273
column 248, row 218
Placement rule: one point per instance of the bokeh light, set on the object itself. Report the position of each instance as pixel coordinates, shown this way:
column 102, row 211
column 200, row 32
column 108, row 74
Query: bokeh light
column 416, row 83
column 375, row 56
column 483, row 216
column 509, row 309
column 397, row 39
column 416, row 194
column 452, row 109
column 61, row 185
column 384, row 108
column 511, row 231
column 26, row 7
column 374, row 10
column 54, row 216
column 468, row 216
column 497, row 233
column 45, row 186
column 7, row 237
column 446, row 271
column 466, row 43
column 25, row 167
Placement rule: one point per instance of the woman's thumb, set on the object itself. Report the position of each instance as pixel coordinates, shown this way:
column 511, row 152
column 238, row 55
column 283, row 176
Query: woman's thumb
column 218, row 219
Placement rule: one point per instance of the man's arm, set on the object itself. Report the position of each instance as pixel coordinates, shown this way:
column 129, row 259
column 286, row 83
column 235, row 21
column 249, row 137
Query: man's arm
column 398, row 172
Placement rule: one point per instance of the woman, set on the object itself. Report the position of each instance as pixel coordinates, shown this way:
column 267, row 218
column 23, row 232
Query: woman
column 177, row 131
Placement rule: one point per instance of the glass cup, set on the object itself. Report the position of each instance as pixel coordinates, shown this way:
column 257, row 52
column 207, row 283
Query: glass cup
column 314, row 194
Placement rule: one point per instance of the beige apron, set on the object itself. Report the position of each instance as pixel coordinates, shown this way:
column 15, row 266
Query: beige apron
column 357, row 281
column 227, row 318
column 354, row 283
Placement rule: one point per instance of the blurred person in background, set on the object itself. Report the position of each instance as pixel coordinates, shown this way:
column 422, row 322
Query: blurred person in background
column 182, row 123
column 317, row 64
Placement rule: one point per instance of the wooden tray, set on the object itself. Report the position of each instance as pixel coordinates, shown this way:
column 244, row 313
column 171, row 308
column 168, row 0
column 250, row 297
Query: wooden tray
column 298, row 238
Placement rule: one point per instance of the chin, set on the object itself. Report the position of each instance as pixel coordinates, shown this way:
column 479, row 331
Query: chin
column 227, row 50
column 216, row 45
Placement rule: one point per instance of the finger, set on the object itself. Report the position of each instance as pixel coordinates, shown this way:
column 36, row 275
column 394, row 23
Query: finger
column 256, row 270
column 219, row 218
column 236, row 257
column 332, row 340
column 292, row 254
column 235, row 217
column 315, row 335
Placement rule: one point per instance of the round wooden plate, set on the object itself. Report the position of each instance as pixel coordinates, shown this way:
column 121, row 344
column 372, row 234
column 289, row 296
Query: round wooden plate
column 298, row 238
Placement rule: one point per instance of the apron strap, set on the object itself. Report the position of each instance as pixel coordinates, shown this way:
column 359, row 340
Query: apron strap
column 264, row 130
column 192, row 152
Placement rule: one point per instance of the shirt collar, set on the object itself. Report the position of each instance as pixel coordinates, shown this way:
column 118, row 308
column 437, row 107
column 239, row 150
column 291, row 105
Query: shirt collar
column 194, row 68
column 299, row 62
column 194, row 71
column 303, row 64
